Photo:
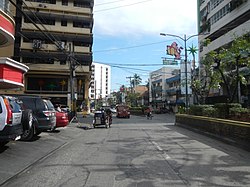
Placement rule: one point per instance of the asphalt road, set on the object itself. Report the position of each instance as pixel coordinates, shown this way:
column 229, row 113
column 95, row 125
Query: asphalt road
column 134, row 152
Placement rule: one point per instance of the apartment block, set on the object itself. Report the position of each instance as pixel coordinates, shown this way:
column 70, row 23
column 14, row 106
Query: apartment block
column 100, row 81
column 158, row 87
column 221, row 21
column 54, row 39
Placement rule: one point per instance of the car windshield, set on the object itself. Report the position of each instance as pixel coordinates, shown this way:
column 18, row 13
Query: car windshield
column 33, row 103
column 48, row 104
column 14, row 106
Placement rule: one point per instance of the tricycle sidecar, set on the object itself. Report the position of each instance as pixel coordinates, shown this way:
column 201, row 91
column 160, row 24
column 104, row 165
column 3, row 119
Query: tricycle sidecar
column 100, row 118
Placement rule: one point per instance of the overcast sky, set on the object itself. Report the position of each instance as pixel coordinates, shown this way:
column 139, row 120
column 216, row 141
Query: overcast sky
column 128, row 31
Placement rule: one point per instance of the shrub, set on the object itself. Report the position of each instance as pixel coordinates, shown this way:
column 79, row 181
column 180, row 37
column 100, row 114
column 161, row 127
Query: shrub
column 223, row 109
column 236, row 111
column 201, row 110
column 209, row 111
column 136, row 110
column 181, row 110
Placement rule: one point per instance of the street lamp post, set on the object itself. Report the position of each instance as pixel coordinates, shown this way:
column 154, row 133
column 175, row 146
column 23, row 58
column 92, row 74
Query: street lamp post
column 185, row 39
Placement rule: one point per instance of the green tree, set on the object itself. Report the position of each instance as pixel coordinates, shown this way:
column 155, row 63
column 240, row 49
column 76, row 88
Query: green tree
column 209, row 79
column 193, row 50
column 136, row 80
column 132, row 99
column 226, row 65
column 231, row 60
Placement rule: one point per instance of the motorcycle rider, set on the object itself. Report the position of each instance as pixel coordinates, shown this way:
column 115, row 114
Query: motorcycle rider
column 109, row 115
column 148, row 112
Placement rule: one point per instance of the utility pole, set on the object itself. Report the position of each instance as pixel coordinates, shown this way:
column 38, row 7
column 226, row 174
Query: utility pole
column 130, row 78
column 72, row 67
column 185, row 39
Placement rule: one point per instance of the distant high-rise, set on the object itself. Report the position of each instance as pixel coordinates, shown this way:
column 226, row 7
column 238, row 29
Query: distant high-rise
column 100, row 81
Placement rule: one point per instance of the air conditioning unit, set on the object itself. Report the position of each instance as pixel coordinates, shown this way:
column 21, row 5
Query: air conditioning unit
column 37, row 44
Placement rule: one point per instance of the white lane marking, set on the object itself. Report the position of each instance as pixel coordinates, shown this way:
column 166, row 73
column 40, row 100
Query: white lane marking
column 158, row 147
column 166, row 156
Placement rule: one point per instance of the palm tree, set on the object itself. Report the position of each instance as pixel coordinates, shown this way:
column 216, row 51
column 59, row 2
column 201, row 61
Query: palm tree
column 193, row 50
column 136, row 80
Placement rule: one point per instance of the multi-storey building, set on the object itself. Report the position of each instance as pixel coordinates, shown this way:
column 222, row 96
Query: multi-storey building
column 11, row 72
column 223, row 20
column 54, row 38
column 158, row 86
column 100, row 81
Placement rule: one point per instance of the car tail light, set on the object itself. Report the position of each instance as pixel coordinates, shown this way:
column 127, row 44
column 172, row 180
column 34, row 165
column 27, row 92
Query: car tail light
column 9, row 112
column 48, row 113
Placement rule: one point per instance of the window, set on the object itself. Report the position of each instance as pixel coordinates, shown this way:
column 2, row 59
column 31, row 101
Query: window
column 43, row 84
column 80, row 3
column 81, row 24
column 63, row 62
column 220, row 14
column 64, row 23
column 215, row 3
column 45, row 21
column 65, row 2
column 4, row 5
column 44, row 1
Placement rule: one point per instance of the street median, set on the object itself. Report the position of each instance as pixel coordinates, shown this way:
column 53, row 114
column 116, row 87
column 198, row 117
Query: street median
column 232, row 131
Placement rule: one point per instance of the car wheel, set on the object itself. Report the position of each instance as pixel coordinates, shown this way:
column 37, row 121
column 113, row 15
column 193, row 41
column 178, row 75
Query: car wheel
column 27, row 119
column 38, row 132
column 28, row 127
column 3, row 143
column 53, row 129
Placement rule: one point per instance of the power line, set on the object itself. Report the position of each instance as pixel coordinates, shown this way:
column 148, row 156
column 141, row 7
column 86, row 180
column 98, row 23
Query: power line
column 113, row 64
column 130, row 47
column 109, row 2
column 121, row 6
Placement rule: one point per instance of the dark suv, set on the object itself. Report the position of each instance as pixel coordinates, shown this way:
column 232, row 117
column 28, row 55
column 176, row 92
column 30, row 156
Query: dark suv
column 44, row 115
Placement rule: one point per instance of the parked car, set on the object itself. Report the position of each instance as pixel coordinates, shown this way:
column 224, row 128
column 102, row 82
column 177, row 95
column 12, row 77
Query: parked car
column 62, row 119
column 122, row 111
column 10, row 119
column 44, row 115
column 66, row 109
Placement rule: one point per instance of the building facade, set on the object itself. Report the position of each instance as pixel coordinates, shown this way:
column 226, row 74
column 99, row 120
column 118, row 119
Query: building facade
column 100, row 82
column 158, row 95
column 54, row 39
column 11, row 71
column 223, row 20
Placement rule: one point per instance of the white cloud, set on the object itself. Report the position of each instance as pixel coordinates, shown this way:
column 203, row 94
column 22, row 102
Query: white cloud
column 146, row 17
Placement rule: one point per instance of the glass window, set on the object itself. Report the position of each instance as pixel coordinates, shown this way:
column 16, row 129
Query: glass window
column 65, row 2
column 4, row 5
column 64, row 23
column 43, row 84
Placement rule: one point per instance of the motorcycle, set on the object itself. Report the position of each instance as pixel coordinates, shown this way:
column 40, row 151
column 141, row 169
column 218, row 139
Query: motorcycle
column 149, row 115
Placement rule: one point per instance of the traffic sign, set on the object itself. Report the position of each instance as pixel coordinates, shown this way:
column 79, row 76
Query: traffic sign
column 169, row 62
